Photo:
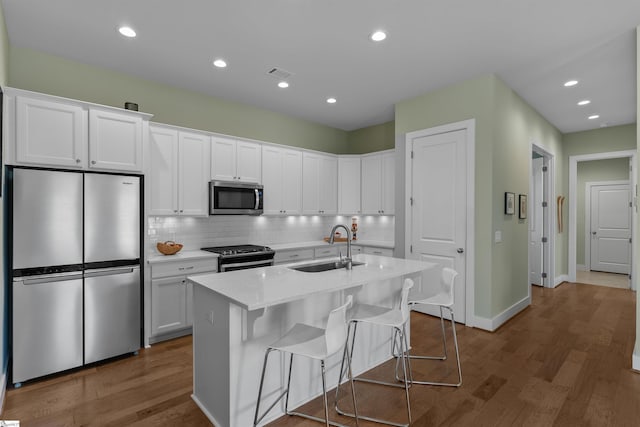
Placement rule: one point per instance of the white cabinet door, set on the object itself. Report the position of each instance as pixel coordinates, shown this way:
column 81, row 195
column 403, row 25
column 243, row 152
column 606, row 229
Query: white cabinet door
column 168, row 304
column 163, row 171
column 328, row 183
column 50, row 133
column 388, row 164
column 115, row 141
column 292, row 182
column 378, row 184
column 194, row 168
column 282, row 180
column 223, row 159
column 272, row 177
column 248, row 162
column 233, row 160
column 311, row 183
column 349, row 185
column 189, row 306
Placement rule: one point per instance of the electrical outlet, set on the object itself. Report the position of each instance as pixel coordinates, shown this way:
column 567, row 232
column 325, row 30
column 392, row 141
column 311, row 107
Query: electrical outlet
column 498, row 236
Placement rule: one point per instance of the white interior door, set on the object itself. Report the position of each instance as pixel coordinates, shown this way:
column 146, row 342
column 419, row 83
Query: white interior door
column 610, row 228
column 536, row 223
column 438, row 190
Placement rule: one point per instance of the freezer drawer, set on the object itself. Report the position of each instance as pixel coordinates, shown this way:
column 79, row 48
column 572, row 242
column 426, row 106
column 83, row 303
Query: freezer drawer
column 47, row 325
column 111, row 312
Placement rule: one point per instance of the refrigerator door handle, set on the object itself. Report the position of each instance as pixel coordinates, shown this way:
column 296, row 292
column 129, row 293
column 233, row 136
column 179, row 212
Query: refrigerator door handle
column 45, row 278
column 109, row 271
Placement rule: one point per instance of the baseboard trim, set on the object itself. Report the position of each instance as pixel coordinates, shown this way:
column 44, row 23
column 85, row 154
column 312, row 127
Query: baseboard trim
column 502, row 318
column 581, row 267
column 3, row 384
column 560, row 279
column 205, row 411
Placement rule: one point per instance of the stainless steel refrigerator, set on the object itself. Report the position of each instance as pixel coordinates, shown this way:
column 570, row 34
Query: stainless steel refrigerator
column 75, row 269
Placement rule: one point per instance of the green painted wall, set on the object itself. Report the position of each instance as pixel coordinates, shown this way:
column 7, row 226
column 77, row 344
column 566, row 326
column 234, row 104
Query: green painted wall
column 4, row 317
column 516, row 126
column 505, row 128
column 637, row 236
column 594, row 171
column 40, row 72
column 372, row 138
column 616, row 138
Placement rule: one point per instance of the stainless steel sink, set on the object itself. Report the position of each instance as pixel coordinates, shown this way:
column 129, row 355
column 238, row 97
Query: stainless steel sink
column 325, row 266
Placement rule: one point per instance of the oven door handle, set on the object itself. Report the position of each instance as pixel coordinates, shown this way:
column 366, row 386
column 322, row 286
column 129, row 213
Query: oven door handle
column 264, row 262
column 257, row 198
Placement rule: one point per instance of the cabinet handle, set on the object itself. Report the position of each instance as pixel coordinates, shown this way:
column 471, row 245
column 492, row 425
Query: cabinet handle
column 93, row 162
column 186, row 268
column 181, row 210
column 175, row 211
column 77, row 160
column 294, row 256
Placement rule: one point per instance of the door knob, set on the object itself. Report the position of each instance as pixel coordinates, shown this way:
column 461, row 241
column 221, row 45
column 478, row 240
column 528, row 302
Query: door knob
column 460, row 250
column 593, row 232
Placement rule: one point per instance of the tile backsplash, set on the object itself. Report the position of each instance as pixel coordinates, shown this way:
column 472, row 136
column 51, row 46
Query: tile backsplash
column 195, row 233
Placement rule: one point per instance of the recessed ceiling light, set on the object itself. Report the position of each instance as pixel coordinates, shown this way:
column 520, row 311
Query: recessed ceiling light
column 331, row 100
column 283, row 85
column 571, row 83
column 595, row 116
column 127, row 31
column 584, row 102
column 220, row 63
column 378, row 36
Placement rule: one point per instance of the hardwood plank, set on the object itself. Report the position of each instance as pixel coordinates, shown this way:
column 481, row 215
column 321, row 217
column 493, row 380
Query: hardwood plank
column 566, row 360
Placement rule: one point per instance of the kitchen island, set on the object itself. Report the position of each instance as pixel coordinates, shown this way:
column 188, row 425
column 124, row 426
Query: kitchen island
column 238, row 314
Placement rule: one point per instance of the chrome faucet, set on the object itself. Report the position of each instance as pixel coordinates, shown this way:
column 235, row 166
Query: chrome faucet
column 347, row 260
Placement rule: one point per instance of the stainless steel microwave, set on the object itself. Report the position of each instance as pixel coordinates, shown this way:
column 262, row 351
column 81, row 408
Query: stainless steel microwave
column 235, row 198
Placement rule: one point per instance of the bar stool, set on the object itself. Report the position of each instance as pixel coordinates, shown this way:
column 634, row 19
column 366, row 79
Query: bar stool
column 444, row 299
column 315, row 343
column 395, row 318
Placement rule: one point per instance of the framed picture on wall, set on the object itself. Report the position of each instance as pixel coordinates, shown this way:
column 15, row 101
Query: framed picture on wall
column 509, row 203
column 522, row 212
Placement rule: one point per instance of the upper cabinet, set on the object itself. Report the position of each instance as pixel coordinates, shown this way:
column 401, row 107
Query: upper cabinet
column 115, row 141
column 319, row 183
column 235, row 160
column 49, row 131
column 349, row 185
column 178, row 172
column 378, row 183
column 282, row 180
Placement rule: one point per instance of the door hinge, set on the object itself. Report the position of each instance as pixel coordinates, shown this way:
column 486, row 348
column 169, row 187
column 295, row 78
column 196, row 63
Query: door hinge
column 545, row 240
column 630, row 240
column 544, row 275
column 412, row 154
column 544, row 169
column 411, row 249
column 630, row 204
column 544, row 204
column 411, row 200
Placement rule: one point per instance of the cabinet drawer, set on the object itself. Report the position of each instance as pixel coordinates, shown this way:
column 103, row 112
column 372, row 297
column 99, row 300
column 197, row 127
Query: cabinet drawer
column 167, row 269
column 294, row 255
column 378, row 251
column 327, row 252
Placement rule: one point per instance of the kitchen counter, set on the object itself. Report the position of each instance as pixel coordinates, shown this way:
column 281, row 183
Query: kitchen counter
column 237, row 315
column 321, row 243
column 181, row 256
column 258, row 288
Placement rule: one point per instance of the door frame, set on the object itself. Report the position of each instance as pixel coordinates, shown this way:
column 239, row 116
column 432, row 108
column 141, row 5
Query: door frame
column 573, row 211
column 470, row 127
column 587, row 216
column 549, row 218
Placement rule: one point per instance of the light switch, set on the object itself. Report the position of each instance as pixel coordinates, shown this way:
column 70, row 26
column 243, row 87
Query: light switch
column 498, row 236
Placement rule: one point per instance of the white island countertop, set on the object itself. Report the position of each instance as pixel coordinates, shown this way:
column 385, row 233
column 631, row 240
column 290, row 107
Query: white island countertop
column 263, row 287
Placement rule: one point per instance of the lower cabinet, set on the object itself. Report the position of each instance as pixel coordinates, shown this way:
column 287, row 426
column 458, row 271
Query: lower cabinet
column 293, row 255
column 377, row 251
column 172, row 298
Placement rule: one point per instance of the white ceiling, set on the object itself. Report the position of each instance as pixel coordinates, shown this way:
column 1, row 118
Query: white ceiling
column 533, row 45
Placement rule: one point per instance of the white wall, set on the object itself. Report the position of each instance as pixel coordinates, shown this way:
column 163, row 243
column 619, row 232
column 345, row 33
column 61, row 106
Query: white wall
column 196, row 233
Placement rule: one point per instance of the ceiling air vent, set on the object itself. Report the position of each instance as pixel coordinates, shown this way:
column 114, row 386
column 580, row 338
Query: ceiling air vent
column 279, row 73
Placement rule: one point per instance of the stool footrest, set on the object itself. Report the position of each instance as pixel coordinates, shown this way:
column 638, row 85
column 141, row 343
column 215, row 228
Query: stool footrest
column 322, row 420
column 367, row 380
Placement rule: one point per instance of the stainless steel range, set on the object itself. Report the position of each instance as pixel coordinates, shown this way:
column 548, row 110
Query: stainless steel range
column 241, row 257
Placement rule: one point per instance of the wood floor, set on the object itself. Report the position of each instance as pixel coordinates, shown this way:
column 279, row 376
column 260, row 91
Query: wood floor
column 564, row 361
